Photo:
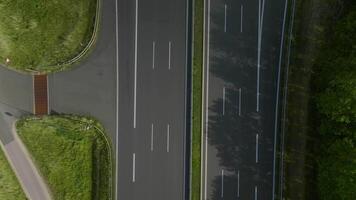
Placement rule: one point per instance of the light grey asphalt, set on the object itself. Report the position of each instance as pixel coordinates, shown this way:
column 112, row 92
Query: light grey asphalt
column 34, row 186
column 157, row 174
column 232, row 171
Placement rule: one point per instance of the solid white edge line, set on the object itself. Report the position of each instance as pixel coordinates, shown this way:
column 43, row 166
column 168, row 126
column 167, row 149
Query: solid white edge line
column 168, row 135
column 258, row 57
column 257, row 148
column 202, row 153
column 225, row 16
column 224, row 93
column 260, row 28
column 133, row 167
column 277, row 99
column 153, row 54
column 240, row 99
column 207, row 101
column 222, row 183
column 117, row 98
column 135, row 81
column 241, row 21
column 169, row 54
column 152, row 137
column 238, row 183
column 256, row 193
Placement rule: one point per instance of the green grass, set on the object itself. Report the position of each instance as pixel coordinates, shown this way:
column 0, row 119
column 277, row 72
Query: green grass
column 42, row 36
column 10, row 188
column 71, row 154
column 197, row 97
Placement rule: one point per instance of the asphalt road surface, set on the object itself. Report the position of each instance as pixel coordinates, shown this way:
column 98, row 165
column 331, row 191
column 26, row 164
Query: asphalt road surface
column 32, row 183
column 16, row 89
column 243, row 46
column 152, row 99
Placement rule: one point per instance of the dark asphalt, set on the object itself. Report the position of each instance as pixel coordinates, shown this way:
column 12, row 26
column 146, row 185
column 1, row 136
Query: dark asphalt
column 90, row 88
column 232, row 170
column 16, row 89
column 155, row 174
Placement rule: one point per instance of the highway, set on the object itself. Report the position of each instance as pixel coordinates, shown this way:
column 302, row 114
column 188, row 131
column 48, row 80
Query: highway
column 243, row 45
column 152, row 38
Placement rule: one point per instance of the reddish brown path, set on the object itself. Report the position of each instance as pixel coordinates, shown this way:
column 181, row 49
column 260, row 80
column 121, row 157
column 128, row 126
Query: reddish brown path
column 40, row 94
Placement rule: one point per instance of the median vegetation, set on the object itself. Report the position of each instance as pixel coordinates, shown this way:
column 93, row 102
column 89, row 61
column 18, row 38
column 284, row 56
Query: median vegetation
column 10, row 188
column 197, row 97
column 72, row 154
column 44, row 36
column 321, row 112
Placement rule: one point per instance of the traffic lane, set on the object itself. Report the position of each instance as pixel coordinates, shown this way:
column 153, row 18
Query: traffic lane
column 90, row 88
column 271, row 44
column 125, row 140
column 167, row 77
column 233, row 67
column 16, row 89
column 266, row 129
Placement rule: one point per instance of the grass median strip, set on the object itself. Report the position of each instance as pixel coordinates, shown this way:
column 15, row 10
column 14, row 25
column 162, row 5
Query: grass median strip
column 197, row 97
column 10, row 188
column 72, row 154
column 43, row 35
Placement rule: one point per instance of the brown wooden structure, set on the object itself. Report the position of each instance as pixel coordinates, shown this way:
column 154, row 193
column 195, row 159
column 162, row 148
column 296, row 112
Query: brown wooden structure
column 40, row 94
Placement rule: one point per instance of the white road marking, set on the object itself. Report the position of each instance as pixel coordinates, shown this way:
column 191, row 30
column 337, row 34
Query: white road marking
column 135, row 86
column 133, row 167
column 238, row 183
column 153, row 54
column 168, row 135
column 277, row 98
column 260, row 26
column 225, row 13
column 207, row 103
column 240, row 98
column 256, row 148
column 256, row 192
column 224, row 94
column 151, row 137
column 242, row 15
column 222, row 183
column 117, row 97
column 169, row 54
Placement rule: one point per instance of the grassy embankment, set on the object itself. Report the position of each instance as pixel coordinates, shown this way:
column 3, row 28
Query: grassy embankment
column 43, row 36
column 10, row 188
column 72, row 154
column 321, row 112
column 197, row 97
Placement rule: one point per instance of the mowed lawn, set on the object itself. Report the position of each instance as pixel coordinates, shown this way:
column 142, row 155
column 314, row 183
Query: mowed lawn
column 71, row 154
column 42, row 35
column 10, row 188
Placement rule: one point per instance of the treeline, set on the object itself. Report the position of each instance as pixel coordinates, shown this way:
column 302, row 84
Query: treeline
column 334, row 86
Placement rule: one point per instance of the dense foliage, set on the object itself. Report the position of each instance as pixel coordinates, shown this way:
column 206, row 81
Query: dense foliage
column 43, row 35
column 336, row 103
column 10, row 188
column 71, row 153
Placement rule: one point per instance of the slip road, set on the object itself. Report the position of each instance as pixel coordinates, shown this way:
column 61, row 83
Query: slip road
column 152, row 80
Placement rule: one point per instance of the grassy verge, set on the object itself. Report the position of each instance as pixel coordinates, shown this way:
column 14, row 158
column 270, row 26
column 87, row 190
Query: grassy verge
column 72, row 154
column 197, row 97
column 10, row 188
column 42, row 36
column 314, row 20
